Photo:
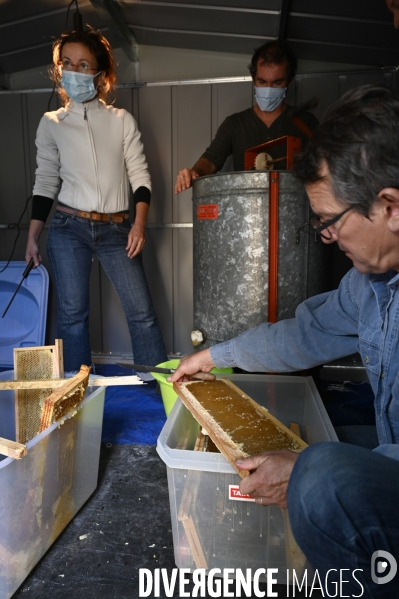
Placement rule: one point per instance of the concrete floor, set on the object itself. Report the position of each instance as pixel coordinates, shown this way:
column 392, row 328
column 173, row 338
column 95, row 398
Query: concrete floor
column 126, row 526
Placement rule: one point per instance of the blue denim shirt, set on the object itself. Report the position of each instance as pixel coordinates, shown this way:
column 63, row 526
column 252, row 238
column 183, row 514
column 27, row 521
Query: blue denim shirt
column 361, row 315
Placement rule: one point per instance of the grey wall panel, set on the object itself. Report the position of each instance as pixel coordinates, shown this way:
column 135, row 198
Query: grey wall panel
column 36, row 105
column 325, row 88
column 155, row 110
column 183, row 289
column 228, row 98
column 124, row 99
column 191, row 135
column 351, row 80
column 291, row 93
column 115, row 334
column 13, row 187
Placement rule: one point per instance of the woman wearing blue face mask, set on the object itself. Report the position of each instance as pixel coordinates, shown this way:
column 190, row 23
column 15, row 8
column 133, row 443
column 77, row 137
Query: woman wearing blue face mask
column 87, row 154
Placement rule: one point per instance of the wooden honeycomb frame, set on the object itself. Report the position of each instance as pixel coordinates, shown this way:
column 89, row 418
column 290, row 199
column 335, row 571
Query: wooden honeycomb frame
column 41, row 362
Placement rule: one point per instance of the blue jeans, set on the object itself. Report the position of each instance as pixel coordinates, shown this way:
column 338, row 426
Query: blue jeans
column 343, row 506
column 71, row 243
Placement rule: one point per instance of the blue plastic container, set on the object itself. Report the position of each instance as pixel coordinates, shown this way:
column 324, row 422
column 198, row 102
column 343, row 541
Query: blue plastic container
column 24, row 325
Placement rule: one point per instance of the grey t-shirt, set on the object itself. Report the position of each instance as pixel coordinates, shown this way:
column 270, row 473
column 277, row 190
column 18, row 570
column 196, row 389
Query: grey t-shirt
column 244, row 130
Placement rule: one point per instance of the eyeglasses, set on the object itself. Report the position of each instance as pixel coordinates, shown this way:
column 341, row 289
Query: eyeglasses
column 318, row 226
column 82, row 67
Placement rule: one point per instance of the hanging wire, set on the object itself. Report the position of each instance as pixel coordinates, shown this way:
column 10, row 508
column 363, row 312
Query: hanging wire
column 16, row 226
column 51, row 97
column 67, row 15
column 78, row 27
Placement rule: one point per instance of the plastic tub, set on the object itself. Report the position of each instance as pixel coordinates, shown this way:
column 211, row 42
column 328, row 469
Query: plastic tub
column 213, row 527
column 24, row 325
column 43, row 491
column 168, row 393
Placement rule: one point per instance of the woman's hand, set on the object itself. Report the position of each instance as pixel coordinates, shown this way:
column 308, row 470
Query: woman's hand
column 32, row 246
column 136, row 239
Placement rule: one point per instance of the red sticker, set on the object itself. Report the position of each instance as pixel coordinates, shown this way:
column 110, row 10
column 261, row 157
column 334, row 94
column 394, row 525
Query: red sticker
column 208, row 211
column 234, row 494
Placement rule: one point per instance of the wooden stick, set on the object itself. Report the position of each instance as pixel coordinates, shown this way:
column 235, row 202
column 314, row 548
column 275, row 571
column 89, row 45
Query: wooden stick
column 56, row 383
column 195, row 543
column 294, row 427
column 187, row 502
column 276, row 160
column 12, row 449
column 58, row 356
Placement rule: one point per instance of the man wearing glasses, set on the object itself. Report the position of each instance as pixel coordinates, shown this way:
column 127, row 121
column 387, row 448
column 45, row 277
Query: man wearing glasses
column 342, row 499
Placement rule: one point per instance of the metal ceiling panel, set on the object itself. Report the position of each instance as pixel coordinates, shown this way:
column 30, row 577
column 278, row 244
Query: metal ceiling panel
column 348, row 54
column 201, row 20
column 26, row 42
column 312, row 28
column 347, row 31
column 356, row 9
column 15, row 9
column 198, row 41
column 262, row 5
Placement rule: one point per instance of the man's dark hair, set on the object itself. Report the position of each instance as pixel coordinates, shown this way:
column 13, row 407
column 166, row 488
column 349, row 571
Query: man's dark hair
column 358, row 141
column 274, row 53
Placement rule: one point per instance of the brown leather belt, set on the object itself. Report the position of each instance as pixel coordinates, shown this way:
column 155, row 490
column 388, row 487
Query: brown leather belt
column 116, row 217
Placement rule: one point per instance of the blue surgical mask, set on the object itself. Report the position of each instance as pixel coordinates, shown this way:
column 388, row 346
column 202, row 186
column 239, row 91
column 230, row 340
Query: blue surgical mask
column 79, row 86
column 269, row 98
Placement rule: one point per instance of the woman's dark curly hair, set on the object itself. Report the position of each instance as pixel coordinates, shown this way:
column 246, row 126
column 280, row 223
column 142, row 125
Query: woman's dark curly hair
column 101, row 50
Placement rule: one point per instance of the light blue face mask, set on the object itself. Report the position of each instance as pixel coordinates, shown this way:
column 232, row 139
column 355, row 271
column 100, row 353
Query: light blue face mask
column 79, row 86
column 269, row 98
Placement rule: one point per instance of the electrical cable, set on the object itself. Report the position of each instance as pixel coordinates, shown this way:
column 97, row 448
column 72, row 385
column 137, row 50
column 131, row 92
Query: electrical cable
column 77, row 18
column 16, row 226
column 67, row 15
column 77, row 26
column 51, row 97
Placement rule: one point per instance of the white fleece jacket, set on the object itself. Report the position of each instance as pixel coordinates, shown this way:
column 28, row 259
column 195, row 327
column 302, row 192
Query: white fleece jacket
column 93, row 150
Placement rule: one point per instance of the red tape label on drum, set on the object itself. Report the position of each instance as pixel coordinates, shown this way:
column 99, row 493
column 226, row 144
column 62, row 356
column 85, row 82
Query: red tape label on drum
column 208, row 211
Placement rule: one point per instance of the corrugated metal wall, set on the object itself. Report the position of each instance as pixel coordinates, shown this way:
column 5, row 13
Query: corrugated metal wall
column 177, row 123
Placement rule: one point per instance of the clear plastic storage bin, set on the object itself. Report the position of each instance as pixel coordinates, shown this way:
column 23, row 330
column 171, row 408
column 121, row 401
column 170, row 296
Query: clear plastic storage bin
column 42, row 492
column 213, row 527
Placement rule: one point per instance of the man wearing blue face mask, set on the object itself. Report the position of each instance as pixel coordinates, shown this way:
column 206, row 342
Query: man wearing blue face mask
column 273, row 67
